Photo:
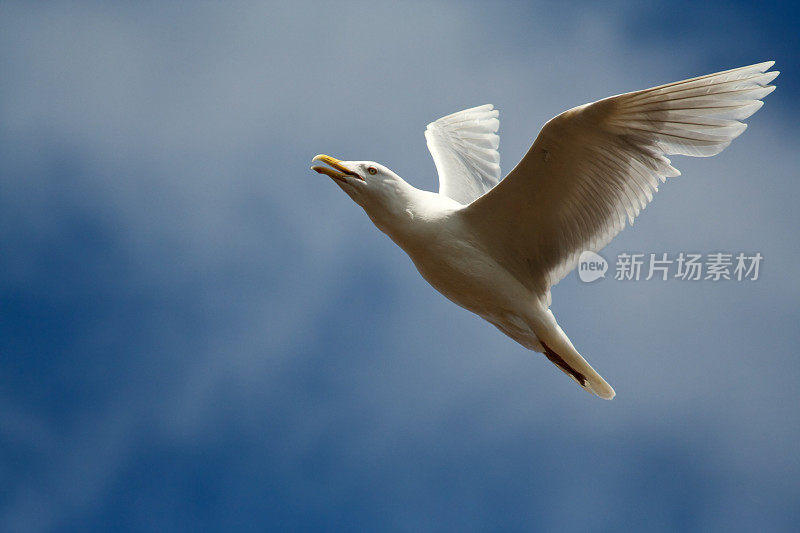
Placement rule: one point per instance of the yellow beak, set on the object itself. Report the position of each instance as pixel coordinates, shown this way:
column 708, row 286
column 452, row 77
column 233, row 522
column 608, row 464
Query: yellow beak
column 337, row 166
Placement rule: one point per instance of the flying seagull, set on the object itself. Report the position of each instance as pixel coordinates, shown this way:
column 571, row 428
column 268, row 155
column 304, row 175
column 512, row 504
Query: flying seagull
column 497, row 247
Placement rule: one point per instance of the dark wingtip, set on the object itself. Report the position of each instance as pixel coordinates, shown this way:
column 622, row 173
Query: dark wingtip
column 560, row 363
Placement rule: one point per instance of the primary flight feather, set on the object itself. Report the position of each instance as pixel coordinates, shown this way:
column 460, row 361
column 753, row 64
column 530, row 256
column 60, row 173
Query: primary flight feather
column 496, row 247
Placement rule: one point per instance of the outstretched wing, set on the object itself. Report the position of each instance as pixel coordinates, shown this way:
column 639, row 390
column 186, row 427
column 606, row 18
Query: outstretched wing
column 596, row 165
column 464, row 149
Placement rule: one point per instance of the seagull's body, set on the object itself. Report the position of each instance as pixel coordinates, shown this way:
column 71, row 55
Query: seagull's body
column 497, row 247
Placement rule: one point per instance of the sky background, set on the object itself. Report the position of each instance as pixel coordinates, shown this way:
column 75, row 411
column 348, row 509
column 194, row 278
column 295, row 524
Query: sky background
column 199, row 333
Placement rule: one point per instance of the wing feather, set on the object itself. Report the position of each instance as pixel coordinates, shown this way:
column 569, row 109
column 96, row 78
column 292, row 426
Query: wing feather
column 464, row 149
column 595, row 167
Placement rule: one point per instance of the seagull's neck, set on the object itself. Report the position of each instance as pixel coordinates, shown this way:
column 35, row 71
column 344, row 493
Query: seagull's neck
column 405, row 212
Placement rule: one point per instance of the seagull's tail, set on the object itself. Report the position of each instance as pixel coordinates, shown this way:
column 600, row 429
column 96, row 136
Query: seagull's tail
column 560, row 351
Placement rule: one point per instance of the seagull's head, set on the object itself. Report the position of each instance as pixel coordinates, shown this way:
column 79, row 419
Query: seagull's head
column 371, row 185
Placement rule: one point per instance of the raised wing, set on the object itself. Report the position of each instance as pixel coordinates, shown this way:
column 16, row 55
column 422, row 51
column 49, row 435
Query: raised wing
column 596, row 165
column 464, row 149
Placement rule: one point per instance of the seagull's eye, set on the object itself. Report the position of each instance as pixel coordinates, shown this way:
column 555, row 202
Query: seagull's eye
column 372, row 170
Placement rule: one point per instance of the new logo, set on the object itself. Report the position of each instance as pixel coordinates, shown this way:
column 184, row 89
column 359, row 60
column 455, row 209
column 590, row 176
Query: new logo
column 591, row 267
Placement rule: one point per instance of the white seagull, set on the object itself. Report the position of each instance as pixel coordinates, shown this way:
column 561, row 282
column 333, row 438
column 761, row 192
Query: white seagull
column 497, row 247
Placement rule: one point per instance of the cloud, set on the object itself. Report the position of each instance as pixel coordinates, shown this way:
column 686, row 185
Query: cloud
column 194, row 311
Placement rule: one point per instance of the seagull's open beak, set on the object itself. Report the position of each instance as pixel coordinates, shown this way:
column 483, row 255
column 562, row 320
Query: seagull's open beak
column 332, row 172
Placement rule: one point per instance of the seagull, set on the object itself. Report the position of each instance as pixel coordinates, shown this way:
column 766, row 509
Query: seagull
column 496, row 247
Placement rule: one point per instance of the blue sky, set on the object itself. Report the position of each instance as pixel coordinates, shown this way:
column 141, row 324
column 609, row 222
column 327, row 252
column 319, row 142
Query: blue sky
column 198, row 333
